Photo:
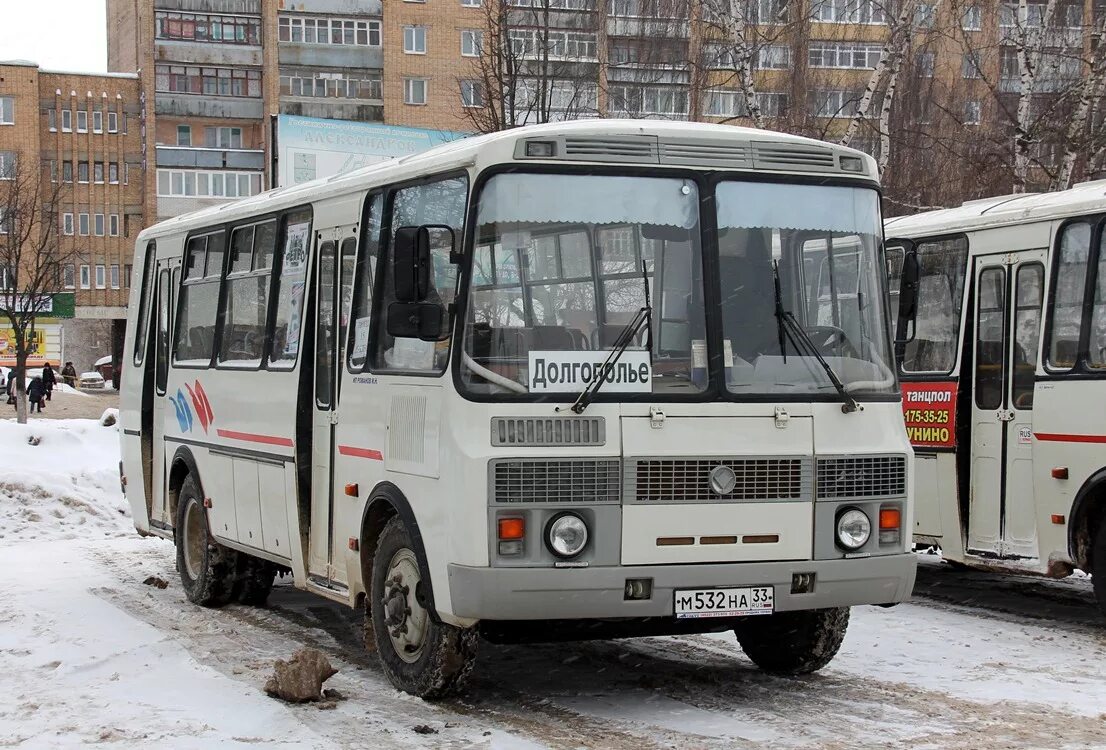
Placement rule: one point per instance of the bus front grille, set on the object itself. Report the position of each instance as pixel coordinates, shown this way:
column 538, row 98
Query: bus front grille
column 861, row 476
column 712, row 480
column 539, row 480
column 548, row 431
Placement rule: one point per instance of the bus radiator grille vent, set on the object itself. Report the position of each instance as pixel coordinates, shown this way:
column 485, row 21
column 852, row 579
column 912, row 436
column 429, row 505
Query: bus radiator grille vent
column 689, row 480
column 539, row 480
column 407, row 428
column 548, row 431
column 793, row 156
column 861, row 476
column 626, row 148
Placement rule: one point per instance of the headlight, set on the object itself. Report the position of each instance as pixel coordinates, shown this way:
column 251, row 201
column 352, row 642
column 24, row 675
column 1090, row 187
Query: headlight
column 566, row 535
column 854, row 528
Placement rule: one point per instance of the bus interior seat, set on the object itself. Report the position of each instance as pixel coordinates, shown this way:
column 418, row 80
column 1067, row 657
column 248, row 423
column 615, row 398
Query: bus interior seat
column 1064, row 352
column 544, row 338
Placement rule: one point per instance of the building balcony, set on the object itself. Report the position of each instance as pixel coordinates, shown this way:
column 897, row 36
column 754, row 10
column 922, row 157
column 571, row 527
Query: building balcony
column 233, row 7
column 356, row 110
column 199, row 105
column 210, row 158
column 330, row 56
column 207, row 53
column 662, row 28
column 647, row 73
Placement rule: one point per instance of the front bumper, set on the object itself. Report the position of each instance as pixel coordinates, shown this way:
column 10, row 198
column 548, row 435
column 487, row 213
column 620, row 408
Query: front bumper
column 599, row 592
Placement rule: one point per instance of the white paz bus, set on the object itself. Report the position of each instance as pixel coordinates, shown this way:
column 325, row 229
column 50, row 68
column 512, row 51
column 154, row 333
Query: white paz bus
column 1003, row 379
column 578, row 380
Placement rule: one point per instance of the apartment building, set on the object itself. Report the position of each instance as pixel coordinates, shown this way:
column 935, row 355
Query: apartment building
column 84, row 134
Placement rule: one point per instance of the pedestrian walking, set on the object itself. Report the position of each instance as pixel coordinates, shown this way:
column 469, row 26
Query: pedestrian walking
column 36, row 394
column 49, row 380
column 69, row 375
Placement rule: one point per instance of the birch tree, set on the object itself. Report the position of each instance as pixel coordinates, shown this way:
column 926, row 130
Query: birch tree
column 1029, row 44
column 1092, row 90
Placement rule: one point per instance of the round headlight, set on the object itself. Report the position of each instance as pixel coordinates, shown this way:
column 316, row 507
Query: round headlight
column 566, row 535
column 854, row 529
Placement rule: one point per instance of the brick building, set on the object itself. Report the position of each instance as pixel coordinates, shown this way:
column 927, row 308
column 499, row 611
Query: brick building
column 83, row 132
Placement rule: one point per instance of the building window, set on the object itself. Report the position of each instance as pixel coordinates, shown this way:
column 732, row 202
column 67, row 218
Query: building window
column 66, row 121
column 203, row 81
column 113, row 173
column 774, row 57
column 68, row 276
column 7, row 165
column 664, row 101
column 83, row 224
column 414, row 91
column 923, row 64
column 472, row 94
column 563, row 98
column 414, row 40
column 834, row 103
column 969, row 66
column 113, row 122
column 471, row 42
column 3, row 225
column 67, row 171
column 127, row 268
column 67, row 224
column 202, row 27
column 98, row 172
column 82, row 171
column 850, row 11
column 97, row 122
column 328, row 31
column 101, row 280
column 114, row 275
column 924, row 15
column 113, row 225
column 98, row 225
column 844, row 55
column 223, row 137
column 322, row 84
column 82, row 121
column 184, row 135
column 732, row 104
column 204, row 184
column 973, row 111
column 52, row 120
column 552, row 44
column 86, row 277
column 470, row 3
column 7, row 110
column 972, row 18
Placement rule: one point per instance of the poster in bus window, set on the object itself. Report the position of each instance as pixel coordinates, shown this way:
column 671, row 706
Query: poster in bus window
column 294, row 272
column 929, row 410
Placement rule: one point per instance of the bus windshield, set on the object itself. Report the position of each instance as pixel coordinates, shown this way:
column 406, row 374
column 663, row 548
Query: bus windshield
column 824, row 241
column 562, row 263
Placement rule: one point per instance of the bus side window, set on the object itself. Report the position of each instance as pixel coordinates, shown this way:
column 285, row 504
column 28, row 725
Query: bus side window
column 1029, row 288
column 194, row 342
column 363, row 277
column 941, row 268
column 164, row 288
column 441, row 202
column 989, row 338
column 1068, row 290
column 246, row 299
column 1096, row 355
column 291, row 280
column 348, row 261
column 146, row 293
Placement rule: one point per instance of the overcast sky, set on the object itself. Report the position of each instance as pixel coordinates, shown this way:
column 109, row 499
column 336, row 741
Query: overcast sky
column 56, row 34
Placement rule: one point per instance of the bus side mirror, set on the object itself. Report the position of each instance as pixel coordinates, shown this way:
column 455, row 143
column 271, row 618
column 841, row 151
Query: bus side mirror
column 416, row 320
column 411, row 264
column 908, row 298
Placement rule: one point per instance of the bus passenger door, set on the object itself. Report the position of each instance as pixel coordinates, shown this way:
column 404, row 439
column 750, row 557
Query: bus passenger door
column 1008, row 300
column 325, row 415
column 164, row 309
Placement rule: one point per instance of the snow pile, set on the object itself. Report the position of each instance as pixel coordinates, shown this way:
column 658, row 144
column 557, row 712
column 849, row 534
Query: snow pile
column 59, row 479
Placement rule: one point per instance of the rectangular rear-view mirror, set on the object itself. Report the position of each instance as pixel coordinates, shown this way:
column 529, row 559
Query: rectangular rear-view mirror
column 416, row 320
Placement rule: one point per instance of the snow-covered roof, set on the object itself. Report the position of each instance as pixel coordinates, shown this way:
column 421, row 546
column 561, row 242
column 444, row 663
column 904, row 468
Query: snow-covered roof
column 1084, row 198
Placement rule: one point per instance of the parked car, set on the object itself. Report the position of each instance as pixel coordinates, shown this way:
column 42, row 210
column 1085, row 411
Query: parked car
column 91, row 380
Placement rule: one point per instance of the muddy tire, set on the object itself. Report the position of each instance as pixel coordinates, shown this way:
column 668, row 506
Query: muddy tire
column 422, row 657
column 206, row 568
column 253, row 581
column 1098, row 566
column 793, row 643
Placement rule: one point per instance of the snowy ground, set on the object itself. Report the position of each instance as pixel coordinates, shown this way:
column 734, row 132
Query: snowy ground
column 91, row 655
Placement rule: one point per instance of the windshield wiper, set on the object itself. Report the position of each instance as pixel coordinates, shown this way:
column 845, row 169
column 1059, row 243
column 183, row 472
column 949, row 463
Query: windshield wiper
column 626, row 336
column 792, row 330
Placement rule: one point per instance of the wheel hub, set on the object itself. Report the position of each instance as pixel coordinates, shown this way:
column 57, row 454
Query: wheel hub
column 404, row 617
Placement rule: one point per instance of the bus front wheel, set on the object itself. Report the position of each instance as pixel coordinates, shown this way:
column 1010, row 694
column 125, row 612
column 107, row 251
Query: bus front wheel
column 1098, row 565
column 793, row 643
column 420, row 656
column 206, row 568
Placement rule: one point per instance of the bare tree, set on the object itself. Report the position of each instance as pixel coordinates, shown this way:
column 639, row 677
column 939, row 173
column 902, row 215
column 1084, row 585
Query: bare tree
column 1091, row 92
column 1029, row 40
column 532, row 66
column 30, row 255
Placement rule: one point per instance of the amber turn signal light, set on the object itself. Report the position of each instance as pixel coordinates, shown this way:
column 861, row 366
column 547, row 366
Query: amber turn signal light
column 890, row 518
column 1060, row 472
column 512, row 528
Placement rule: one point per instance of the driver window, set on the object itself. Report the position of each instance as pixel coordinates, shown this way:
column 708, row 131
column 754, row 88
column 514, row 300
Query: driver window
column 440, row 203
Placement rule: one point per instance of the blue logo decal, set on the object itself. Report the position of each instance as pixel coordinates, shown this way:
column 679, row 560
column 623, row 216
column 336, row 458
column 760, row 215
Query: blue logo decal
column 184, row 411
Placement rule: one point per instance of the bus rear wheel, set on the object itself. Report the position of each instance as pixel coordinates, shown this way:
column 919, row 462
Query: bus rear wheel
column 420, row 656
column 793, row 643
column 206, row 568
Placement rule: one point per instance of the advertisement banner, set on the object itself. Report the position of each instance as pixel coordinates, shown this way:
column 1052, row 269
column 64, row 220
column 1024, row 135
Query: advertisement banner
column 310, row 147
column 44, row 345
column 929, row 410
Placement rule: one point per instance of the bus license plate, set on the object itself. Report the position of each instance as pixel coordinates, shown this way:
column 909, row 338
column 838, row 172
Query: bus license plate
column 738, row 602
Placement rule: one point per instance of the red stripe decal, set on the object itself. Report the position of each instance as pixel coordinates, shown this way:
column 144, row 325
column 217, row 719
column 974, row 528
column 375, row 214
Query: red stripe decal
column 349, row 450
column 252, row 438
column 1060, row 437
